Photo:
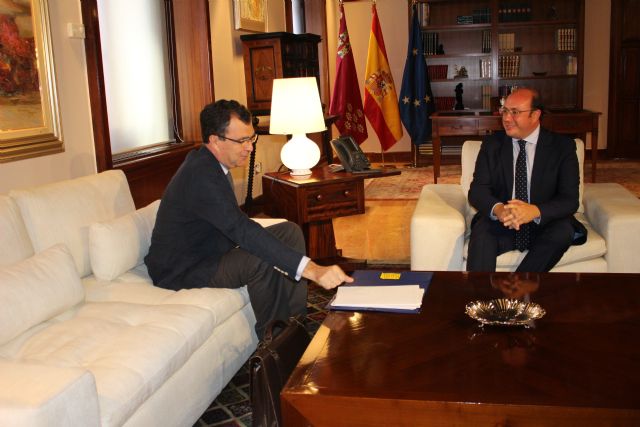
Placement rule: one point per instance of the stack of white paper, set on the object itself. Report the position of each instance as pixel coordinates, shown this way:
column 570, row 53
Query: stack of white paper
column 400, row 297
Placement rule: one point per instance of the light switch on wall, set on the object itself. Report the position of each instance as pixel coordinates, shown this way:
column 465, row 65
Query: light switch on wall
column 75, row 31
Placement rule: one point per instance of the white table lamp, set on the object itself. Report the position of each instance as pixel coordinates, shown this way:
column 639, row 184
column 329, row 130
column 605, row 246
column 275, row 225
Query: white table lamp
column 296, row 110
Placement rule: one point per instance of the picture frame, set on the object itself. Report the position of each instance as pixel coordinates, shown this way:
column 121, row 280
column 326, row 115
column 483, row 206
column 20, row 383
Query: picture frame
column 30, row 122
column 250, row 15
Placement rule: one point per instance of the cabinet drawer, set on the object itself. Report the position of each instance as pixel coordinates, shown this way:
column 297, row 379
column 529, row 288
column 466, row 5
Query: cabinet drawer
column 489, row 125
column 330, row 201
column 457, row 126
column 571, row 125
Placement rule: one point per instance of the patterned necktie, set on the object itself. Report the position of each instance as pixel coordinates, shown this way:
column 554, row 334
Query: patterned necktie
column 524, row 234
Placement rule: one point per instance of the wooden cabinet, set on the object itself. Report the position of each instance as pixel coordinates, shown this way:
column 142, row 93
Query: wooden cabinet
column 312, row 202
column 269, row 56
column 504, row 44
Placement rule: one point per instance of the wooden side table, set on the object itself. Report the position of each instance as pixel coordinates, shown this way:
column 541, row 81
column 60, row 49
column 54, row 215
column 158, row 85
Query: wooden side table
column 314, row 201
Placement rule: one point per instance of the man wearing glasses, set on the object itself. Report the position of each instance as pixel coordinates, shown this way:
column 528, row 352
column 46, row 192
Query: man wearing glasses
column 526, row 189
column 201, row 237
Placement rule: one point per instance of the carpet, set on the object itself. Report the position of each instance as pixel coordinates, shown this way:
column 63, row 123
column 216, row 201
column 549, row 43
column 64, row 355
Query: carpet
column 409, row 183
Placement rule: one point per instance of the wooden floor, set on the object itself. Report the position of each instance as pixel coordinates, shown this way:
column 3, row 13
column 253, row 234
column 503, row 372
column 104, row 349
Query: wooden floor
column 380, row 235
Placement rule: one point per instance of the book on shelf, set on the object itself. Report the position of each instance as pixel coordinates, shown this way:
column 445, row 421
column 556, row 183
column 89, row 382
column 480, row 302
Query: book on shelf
column 514, row 11
column 430, row 41
column 572, row 65
column 481, row 16
column 506, row 42
column 486, row 41
column 486, row 97
column 566, row 39
column 437, row 72
column 485, row 68
column 509, row 66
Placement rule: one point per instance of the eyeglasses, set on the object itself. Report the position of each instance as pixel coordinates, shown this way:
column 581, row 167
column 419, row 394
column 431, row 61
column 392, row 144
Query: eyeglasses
column 252, row 139
column 513, row 112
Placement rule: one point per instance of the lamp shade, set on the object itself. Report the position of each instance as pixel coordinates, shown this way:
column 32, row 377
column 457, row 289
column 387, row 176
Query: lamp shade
column 296, row 110
column 296, row 107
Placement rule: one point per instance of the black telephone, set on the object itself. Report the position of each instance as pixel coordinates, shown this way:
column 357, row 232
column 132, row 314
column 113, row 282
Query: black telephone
column 351, row 155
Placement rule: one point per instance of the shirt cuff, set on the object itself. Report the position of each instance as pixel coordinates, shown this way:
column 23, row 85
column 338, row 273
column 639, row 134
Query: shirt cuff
column 303, row 264
column 491, row 215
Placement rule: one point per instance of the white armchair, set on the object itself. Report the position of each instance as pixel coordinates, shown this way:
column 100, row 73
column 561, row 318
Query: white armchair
column 440, row 226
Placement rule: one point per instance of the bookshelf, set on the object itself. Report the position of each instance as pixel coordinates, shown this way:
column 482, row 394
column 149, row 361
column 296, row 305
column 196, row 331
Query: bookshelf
column 502, row 44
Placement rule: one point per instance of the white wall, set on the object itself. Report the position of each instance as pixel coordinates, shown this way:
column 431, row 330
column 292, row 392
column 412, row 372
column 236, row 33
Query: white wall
column 78, row 159
column 597, row 23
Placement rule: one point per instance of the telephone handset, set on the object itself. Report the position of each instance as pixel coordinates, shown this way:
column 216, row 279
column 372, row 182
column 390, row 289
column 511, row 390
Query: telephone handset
column 351, row 155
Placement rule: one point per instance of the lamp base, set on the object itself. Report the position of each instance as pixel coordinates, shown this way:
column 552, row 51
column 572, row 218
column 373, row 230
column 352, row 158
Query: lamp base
column 300, row 173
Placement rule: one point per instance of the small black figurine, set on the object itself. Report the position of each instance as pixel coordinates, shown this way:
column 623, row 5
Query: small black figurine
column 459, row 105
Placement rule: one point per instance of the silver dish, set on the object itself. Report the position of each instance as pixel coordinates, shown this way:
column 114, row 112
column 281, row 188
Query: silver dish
column 508, row 312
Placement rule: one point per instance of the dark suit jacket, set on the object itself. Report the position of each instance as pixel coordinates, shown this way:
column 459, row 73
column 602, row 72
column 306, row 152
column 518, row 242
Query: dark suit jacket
column 555, row 179
column 199, row 221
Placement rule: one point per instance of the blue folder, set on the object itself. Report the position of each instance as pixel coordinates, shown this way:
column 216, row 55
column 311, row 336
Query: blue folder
column 375, row 278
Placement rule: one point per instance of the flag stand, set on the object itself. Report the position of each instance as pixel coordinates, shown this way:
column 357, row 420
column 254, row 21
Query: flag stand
column 383, row 163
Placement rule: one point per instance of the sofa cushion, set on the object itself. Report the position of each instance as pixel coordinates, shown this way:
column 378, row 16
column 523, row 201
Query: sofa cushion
column 594, row 247
column 15, row 244
column 131, row 349
column 37, row 289
column 63, row 211
column 118, row 245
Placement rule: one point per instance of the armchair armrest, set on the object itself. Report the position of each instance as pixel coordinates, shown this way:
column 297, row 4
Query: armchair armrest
column 614, row 212
column 38, row 395
column 438, row 228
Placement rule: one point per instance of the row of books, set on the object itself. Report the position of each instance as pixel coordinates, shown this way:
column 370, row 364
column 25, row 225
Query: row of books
column 505, row 90
column 506, row 42
column 431, row 43
column 514, row 11
column 485, row 68
column 479, row 16
column 566, row 39
column 445, row 103
column 572, row 65
column 509, row 66
column 486, row 97
column 437, row 72
column 486, row 41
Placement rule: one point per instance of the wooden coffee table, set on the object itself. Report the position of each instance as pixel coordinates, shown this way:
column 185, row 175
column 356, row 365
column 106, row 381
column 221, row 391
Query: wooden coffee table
column 578, row 365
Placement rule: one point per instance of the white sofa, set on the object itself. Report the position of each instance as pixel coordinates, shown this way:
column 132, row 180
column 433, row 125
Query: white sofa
column 440, row 226
column 85, row 338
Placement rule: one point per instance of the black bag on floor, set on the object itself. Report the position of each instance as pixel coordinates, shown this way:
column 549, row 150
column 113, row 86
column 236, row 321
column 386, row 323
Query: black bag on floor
column 271, row 366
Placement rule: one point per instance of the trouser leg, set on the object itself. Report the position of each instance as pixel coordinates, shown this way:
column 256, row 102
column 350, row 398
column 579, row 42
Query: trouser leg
column 488, row 240
column 549, row 244
column 272, row 294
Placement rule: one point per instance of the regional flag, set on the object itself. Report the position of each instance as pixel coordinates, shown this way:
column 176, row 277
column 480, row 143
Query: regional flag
column 380, row 99
column 346, row 101
column 416, row 99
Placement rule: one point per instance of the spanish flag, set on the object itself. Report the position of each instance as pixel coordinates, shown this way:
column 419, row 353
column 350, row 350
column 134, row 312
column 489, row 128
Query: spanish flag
column 380, row 99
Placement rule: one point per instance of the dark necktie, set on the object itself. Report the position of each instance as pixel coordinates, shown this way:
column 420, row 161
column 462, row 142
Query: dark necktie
column 230, row 179
column 522, row 235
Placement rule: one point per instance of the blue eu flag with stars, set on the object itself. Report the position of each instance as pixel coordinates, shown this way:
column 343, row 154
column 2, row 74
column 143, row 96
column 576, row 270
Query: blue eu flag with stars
column 416, row 99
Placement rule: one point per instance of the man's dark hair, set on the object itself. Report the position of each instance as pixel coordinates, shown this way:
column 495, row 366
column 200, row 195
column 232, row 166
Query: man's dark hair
column 215, row 117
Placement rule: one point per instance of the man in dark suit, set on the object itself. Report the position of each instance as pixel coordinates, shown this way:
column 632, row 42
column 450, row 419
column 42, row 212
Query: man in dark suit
column 201, row 237
column 525, row 199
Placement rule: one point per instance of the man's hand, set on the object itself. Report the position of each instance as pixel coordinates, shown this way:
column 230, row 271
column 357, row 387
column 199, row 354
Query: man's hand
column 519, row 213
column 327, row 277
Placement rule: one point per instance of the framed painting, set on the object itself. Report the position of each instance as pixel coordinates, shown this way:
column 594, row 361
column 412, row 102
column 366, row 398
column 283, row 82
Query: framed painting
column 29, row 113
column 250, row 15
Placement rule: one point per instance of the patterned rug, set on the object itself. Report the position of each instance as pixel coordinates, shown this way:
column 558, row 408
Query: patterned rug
column 408, row 185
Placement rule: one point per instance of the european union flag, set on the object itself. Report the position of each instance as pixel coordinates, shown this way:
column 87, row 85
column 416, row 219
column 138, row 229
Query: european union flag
column 416, row 99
